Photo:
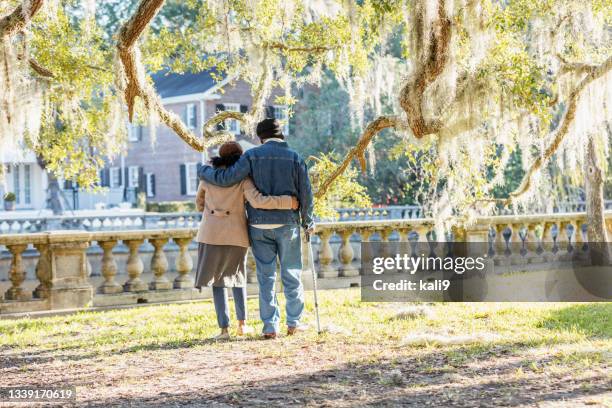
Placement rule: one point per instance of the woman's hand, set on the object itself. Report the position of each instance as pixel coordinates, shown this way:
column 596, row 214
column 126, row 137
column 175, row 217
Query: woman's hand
column 295, row 204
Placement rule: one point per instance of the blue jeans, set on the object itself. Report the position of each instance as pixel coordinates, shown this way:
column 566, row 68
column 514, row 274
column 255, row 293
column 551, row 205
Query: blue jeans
column 222, row 308
column 285, row 243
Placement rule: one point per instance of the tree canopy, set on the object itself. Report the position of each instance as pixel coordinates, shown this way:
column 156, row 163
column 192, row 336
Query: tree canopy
column 464, row 83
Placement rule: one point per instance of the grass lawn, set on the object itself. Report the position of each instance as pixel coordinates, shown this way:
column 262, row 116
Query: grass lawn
column 497, row 354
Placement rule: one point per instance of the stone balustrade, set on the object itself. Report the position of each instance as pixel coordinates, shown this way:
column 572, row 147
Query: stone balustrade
column 102, row 222
column 77, row 269
column 121, row 222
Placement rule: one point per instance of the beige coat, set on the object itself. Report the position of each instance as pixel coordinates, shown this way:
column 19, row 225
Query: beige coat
column 224, row 220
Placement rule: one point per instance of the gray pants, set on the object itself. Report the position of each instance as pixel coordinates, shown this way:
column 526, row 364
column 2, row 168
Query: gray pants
column 222, row 308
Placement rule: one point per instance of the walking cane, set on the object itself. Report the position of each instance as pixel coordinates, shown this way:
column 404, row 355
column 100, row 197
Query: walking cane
column 314, row 280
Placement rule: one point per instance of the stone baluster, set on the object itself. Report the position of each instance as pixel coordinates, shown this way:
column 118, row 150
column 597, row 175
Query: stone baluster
column 422, row 243
column 548, row 241
column 516, row 241
column 366, row 250
column 326, row 256
column 578, row 237
column 159, row 265
column 43, row 272
column 533, row 242
column 565, row 239
column 404, row 234
column 500, row 240
column 385, row 233
column 422, row 231
column 366, row 234
column 109, row 268
column 184, row 264
column 251, row 266
column 530, row 242
column 134, row 267
column 17, row 274
column 404, row 244
column 346, row 254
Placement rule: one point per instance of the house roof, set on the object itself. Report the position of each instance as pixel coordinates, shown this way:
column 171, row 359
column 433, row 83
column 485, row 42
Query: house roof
column 171, row 84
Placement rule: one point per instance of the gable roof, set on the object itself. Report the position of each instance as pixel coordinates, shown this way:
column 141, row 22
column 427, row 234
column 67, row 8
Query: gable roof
column 172, row 84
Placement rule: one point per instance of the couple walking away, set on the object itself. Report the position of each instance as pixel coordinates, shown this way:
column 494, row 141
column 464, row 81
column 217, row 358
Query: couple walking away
column 273, row 181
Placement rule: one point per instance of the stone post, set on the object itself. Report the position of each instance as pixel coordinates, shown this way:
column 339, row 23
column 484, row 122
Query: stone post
column 473, row 241
column 159, row 265
column 70, row 287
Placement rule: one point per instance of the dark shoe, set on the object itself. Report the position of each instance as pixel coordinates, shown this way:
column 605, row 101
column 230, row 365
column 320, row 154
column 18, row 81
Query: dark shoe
column 269, row 336
column 297, row 329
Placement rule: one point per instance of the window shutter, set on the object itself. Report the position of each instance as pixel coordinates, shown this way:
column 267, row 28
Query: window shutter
column 104, row 178
column 220, row 108
column 126, row 177
column 152, row 185
column 120, row 178
column 194, row 108
column 142, row 186
column 139, row 132
column 270, row 111
column 183, row 180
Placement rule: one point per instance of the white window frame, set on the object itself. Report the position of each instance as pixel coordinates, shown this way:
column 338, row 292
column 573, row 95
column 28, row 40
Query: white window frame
column 149, row 181
column 17, row 184
column 281, row 113
column 133, row 176
column 27, row 184
column 22, row 177
column 191, row 116
column 232, row 125
column 191, row 174
column 111, row 177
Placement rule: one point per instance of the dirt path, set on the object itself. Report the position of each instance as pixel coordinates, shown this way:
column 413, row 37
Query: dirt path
column 289, row 372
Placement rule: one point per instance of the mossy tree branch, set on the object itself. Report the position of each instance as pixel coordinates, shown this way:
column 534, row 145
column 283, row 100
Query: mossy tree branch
column 18, row 19
column 373, row 128
column 592, row 74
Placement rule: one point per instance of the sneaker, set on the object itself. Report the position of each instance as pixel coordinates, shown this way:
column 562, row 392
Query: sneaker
column 297, row 329
column 244, row 330
column 221, row 336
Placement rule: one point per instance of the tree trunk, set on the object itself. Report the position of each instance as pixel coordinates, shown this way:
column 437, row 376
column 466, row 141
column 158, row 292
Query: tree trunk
column 54, row 192
column 54, row 201
column 597, row 234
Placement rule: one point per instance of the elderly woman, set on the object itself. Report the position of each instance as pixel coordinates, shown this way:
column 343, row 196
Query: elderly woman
column 223, row 238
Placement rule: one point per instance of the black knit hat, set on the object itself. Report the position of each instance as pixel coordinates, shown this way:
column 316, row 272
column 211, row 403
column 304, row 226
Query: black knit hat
column 268, row 128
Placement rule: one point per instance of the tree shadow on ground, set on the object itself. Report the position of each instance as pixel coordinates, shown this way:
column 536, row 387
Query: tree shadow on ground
column 591, row 319
column 71, row 353
column 409, row 381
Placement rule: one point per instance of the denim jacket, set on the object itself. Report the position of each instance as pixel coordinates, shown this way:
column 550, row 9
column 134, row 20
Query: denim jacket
column 275, row 170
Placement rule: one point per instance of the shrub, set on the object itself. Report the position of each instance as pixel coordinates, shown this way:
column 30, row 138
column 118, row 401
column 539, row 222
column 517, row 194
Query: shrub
column 10, row 197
